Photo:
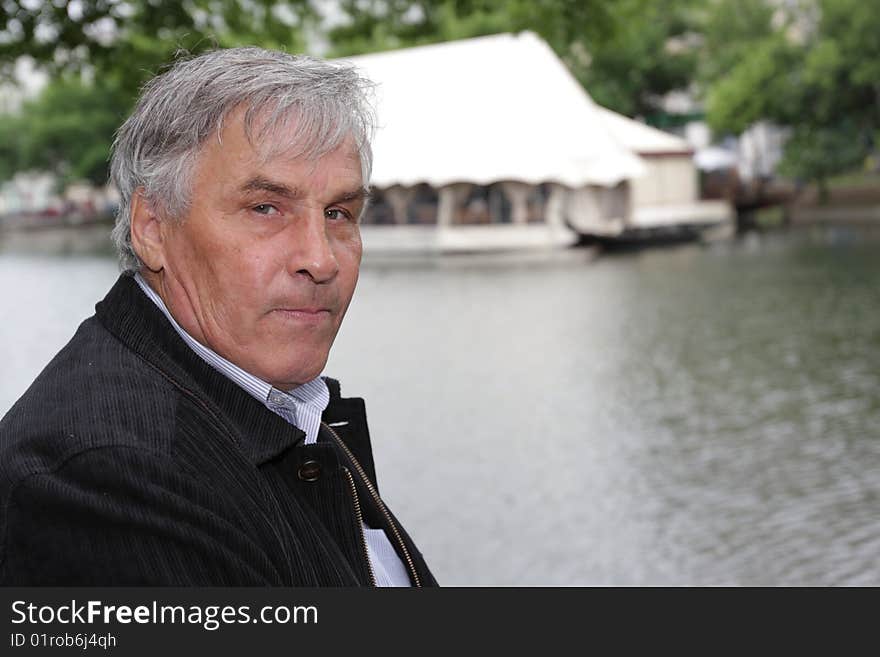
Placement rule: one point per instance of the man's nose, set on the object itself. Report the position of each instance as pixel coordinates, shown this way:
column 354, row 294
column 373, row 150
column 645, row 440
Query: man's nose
column 312, row 253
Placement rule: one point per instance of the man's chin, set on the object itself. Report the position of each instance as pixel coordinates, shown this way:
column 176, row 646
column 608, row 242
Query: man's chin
column 292, row 378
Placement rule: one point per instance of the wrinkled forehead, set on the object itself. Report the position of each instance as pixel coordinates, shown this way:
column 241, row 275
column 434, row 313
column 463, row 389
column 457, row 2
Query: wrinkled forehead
column 292, row 133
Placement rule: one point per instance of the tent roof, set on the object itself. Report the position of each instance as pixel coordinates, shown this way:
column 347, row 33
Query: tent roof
column 482, row 110
column 640, row 138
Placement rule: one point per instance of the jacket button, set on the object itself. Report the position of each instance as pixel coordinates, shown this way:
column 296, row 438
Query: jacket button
column 309, row 471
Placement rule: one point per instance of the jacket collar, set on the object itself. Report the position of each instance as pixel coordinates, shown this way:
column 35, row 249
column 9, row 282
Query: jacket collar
column 261, row 434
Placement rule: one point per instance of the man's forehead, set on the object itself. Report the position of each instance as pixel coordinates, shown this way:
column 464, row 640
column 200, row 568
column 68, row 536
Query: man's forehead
column 285, row 137
column 267, row 164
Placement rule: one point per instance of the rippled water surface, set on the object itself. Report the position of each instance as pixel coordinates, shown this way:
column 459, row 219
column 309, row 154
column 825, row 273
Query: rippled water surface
column 696, row 415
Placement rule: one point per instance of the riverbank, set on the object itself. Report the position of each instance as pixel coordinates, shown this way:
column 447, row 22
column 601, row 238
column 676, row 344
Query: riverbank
column 853, row 200
column 855, row 206
column 91, row 238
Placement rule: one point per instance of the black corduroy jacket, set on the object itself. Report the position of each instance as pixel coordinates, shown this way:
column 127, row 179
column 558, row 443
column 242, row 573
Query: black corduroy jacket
column 131, row 461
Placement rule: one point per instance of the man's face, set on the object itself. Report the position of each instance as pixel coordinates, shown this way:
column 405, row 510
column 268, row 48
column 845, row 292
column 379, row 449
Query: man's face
column 264, row 264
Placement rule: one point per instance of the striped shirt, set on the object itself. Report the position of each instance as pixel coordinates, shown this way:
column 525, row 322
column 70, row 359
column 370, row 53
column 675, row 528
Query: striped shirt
column 302, row 407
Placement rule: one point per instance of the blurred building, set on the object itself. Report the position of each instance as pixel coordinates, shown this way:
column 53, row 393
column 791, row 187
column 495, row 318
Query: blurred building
column 760, row 149
column 29, row 192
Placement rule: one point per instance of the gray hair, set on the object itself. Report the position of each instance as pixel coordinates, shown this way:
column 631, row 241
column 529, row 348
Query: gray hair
column 324, row 103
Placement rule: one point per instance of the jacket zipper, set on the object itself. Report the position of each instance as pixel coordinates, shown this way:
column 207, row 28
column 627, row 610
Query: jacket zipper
column 360, row 527
column 379, row 503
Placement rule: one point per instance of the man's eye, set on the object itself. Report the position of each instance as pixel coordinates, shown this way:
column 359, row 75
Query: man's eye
column 265, row 208
column 336, row 214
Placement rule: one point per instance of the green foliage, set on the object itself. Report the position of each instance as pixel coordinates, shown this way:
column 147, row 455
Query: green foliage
column 66, row 130
column 618, row 50
column 817, row 71
column 854, row 26
column 734, row 103
column 130, row 41
column 378, row 25
column 649, row 52
column 817, row 153
column 730, row 30
column 69, row 128
column 10, row 146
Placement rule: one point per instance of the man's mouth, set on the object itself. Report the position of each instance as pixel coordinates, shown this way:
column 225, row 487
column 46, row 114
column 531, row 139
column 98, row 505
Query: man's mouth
column 305, row 315
column 310, row 310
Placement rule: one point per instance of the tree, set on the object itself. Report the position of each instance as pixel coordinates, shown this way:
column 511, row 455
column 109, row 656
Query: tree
column 618, row 50
column 388, row 24
column 764, row 84
column 66, row 130
column 10, row 147
column 100, row 52
column 818, row 72
column 817, row 153
column 130, row 41
column 651, row 52
column 730, row 30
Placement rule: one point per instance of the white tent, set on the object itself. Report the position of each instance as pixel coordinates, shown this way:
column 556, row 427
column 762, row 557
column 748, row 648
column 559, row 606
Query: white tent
column 670, row 176
column 484, row 110
column 505, row 109
column 641, row 138
column 668, row 193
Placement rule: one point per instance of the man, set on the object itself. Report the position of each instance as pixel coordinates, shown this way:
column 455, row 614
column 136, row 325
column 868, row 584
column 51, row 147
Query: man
column 185, row 436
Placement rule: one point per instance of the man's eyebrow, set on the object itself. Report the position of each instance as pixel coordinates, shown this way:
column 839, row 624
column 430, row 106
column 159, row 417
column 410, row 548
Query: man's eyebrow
column 359, row 194
column 260, row 184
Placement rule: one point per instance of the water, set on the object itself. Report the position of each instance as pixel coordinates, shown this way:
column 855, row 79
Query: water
column 695, row 415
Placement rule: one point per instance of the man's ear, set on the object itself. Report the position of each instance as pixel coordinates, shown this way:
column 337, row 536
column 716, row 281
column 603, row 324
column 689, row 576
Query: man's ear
column 146, row 232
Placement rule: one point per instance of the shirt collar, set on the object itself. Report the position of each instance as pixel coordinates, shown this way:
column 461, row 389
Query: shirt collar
column 313, row 393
